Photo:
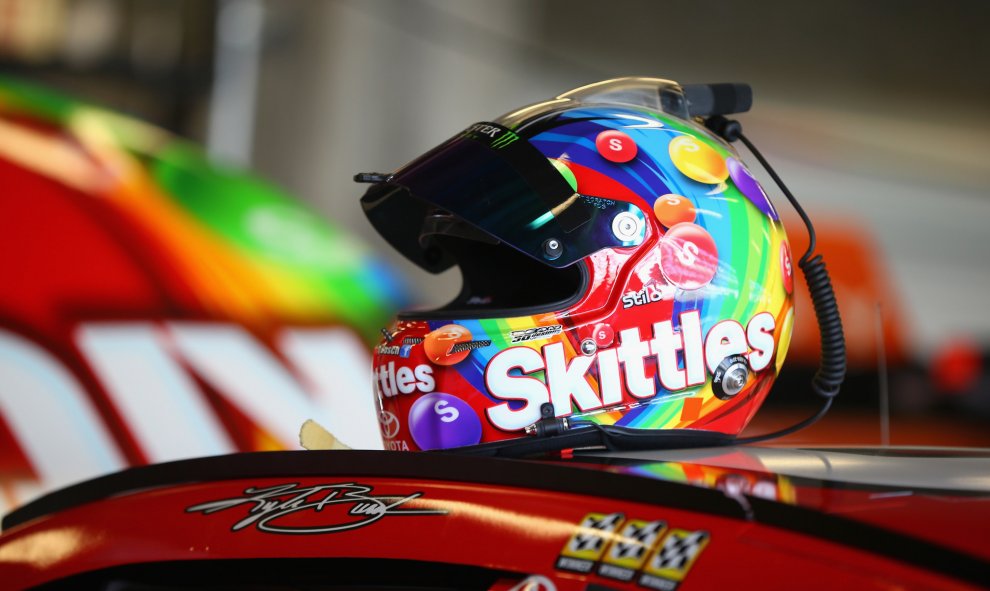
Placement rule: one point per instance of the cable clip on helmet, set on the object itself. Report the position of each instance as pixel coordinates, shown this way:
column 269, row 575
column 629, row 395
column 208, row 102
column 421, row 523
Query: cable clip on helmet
column 626, row 281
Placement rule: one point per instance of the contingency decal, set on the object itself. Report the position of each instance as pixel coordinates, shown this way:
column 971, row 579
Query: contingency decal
column 588, row 543
column 648, row 552
column 672, row 560
column 628, row 551
column 318, row 509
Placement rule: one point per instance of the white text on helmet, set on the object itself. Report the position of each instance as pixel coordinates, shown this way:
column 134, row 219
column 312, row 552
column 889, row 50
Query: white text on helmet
column 481, row 128
column 391, row 381
column 647, row 295
column 507, row 375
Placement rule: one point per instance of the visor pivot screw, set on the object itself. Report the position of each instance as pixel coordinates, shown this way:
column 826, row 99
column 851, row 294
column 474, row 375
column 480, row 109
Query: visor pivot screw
column 626, row 226
column 730, row 377
column 552, row 249
column 589, row 347
column 548, row 425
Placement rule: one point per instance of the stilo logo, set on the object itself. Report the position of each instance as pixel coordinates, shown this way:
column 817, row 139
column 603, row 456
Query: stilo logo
column 390, row 424
column 647, row 295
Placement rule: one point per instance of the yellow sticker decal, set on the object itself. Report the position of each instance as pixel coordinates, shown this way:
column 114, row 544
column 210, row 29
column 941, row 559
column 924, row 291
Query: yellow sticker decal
column 670, row 562
column 629, row 550
column 588, row 543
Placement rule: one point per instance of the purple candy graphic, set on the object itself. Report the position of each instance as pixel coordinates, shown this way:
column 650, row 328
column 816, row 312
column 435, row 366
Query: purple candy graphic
column 439, row 421
column 749, row 187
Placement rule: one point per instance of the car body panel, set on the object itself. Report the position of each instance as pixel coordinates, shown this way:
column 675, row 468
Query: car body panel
column 578, row 521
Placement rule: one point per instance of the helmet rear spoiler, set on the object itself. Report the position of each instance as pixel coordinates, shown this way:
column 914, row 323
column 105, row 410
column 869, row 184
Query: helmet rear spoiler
column 706, row 100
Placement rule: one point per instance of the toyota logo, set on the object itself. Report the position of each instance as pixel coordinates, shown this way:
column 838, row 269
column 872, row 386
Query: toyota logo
column 390, row 424
column 535, row 583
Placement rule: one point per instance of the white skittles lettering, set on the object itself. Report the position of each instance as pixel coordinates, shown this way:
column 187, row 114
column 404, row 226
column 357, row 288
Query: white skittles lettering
column 759, row 334
column 508, row 374
column 615, row 144
column 508, row 387
column 391, row 381
column 724, row 339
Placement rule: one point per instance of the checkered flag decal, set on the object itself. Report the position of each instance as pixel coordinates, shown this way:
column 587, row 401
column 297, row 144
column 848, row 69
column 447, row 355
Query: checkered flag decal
column 592, row 540
column 678, row 550
column 641, row 537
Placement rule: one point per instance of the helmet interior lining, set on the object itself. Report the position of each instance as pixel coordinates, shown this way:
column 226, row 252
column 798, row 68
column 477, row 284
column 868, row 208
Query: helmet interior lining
column 500, row 281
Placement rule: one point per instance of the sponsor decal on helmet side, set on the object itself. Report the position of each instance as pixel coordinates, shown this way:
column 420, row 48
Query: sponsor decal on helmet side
column 392, row 380
column 535, row 333
column 389, row 423
column 647, row 295
column 508, row 375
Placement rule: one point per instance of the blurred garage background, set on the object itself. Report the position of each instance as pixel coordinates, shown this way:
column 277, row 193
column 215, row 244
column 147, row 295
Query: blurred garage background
column 876, row 114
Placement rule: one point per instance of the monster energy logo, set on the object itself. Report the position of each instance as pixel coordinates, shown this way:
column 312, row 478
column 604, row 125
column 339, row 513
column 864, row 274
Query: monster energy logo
column 500, row 137
column 505, row 140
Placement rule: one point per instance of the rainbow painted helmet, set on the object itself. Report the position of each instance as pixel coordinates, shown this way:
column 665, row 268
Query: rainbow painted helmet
column 626, row 280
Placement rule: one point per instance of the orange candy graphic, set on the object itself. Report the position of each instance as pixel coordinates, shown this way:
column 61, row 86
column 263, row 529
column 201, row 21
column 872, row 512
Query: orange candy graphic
column 697, row 160
column 673, row 209
column 438, row 343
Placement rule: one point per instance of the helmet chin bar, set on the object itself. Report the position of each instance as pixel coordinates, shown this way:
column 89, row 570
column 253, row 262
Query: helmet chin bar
column 550, row 434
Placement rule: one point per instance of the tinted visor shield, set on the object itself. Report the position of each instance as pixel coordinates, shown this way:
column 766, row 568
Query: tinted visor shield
column 500, row 183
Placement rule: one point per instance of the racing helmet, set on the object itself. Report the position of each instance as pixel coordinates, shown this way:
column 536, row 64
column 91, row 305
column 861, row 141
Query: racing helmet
column 626, row 280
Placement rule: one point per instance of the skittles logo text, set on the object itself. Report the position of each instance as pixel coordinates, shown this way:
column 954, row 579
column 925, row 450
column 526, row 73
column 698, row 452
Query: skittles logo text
column 508, row 375
column 391, row 380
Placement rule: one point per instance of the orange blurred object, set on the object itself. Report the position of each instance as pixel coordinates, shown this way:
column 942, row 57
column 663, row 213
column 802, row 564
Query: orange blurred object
column 862, row 283
column 957, row 366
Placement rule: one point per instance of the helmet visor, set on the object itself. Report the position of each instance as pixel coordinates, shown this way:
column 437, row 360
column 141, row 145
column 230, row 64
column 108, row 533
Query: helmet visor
column 500, row 183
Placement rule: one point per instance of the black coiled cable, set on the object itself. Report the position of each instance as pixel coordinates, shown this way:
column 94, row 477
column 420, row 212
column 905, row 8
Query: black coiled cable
column 832, row 367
